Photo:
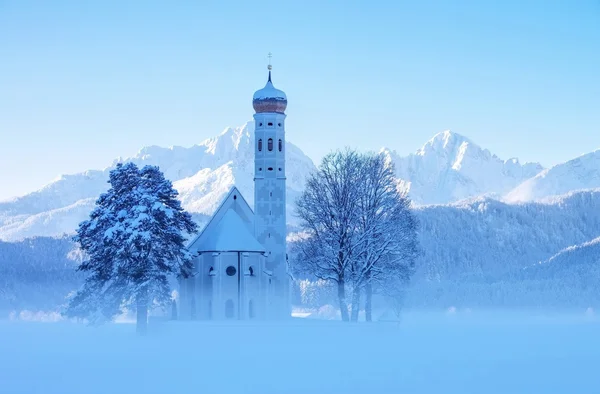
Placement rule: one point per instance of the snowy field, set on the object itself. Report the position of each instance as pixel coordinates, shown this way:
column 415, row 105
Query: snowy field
column 461, row 352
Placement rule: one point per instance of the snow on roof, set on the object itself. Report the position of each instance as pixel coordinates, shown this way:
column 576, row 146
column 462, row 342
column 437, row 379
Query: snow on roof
column 231, row 234
column 269, row 92
column 223, row 206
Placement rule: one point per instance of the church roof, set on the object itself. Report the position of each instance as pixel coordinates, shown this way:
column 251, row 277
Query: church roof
column 269, row 99
column 229, row 229
column 269, row 92
column 230, row 234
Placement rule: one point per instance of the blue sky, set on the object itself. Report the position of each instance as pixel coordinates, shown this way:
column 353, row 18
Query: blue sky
column 82, row 83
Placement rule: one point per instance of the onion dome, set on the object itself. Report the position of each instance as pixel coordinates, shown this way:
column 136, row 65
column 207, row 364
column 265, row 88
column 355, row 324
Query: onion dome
column 269, row 99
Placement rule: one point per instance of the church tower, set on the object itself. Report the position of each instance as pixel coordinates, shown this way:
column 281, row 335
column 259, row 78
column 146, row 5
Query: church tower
column 269, row 192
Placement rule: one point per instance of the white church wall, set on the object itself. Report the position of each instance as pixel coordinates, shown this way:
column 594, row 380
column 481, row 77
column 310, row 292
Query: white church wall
column 204, row 286
column 229, row 285
column 214, row 294
column 252, row 284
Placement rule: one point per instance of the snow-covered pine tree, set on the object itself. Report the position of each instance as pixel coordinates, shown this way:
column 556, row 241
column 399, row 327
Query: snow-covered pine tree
column 134, row 241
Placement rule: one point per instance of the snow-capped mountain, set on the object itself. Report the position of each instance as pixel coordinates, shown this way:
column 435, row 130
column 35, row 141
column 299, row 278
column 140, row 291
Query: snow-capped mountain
column 450, row 167
column 54, row 222
column 580, row 173
column 202, row 174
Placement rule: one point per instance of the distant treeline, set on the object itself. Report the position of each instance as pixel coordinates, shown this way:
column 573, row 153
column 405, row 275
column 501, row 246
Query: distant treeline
column 37, row 273
column 484, row 253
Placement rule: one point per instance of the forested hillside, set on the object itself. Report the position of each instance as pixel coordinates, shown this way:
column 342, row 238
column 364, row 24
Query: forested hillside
column 37, row 273
column 477, row 253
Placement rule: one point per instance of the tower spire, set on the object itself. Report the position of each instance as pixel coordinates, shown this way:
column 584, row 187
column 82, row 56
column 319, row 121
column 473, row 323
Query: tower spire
column 269, row 67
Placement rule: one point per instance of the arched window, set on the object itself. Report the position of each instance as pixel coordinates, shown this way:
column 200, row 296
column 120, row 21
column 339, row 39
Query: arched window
column 250, row 309
column 270, row 144
column 260, row 145
column 280, row 145
column 229, row 309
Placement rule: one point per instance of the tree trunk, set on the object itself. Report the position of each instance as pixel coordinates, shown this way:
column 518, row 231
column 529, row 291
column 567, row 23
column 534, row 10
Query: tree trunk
column 342, row 299
column 174, row 310
column 355, row 303
column 142, row 312
column 368, row 301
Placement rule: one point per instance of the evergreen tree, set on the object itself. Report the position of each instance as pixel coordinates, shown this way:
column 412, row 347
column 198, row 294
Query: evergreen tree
column 134, row 243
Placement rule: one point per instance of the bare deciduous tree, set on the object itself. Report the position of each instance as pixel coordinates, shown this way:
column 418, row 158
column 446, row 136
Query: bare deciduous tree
column 327, row 210
column 386, row 232
column 359, row 231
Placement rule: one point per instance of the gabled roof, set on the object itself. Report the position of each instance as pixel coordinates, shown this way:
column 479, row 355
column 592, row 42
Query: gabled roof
column 230, row 234
column 230, row 228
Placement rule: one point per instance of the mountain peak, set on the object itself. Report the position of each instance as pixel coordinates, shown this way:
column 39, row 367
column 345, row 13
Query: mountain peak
column 580, row 173
column 451, row 167
column 446, row 141
column 449, row 135
column 202, row 174
column 246, row 128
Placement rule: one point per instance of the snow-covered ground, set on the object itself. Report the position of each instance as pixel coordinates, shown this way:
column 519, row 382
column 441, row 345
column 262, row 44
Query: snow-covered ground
column 454, row 352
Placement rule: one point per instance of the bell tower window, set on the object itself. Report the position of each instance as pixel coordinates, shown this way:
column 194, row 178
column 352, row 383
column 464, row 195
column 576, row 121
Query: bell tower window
column 270, row 144
column 280, row 145
column 260, row 145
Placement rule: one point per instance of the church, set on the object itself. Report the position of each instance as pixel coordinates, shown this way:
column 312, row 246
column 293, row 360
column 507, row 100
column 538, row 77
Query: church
column 240, row 259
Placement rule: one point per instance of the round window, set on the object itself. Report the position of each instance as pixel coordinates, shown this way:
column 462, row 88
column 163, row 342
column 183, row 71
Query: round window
column 230, row 270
